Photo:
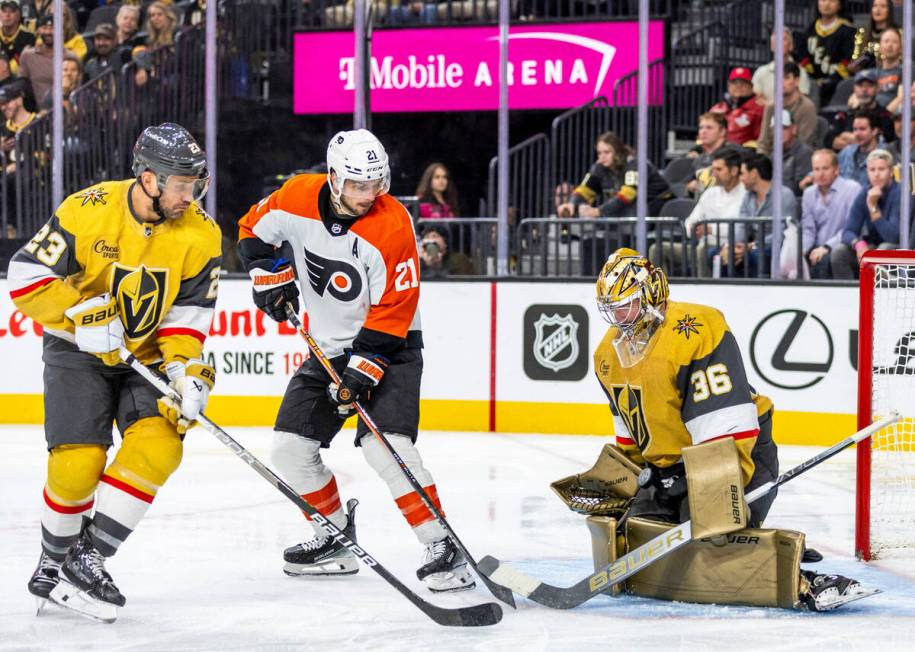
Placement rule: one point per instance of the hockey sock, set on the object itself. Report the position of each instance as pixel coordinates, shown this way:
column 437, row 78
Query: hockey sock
column 150, row 453
column 73, row 473
column 298, row 460
column 419, row 517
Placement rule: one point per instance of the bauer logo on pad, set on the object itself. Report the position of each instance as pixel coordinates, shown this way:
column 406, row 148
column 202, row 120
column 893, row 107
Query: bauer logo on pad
column 555, row 342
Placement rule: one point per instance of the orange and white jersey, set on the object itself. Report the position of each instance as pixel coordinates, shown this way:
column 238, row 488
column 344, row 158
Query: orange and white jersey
column 355, row 276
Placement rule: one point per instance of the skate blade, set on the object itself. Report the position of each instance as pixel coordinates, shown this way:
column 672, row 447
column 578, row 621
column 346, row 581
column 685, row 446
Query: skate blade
column 67, row 596
column 859, row 594
column 324, row 569
column 39, row 605
column 453, row 589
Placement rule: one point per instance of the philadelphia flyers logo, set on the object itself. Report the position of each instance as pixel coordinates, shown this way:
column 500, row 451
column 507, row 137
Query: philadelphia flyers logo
column 339, row 279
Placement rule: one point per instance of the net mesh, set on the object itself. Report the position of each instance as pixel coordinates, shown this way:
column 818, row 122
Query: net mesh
column 893, row 388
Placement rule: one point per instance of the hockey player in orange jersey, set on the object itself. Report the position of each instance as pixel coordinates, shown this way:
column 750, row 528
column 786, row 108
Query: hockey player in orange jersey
column 353, row 249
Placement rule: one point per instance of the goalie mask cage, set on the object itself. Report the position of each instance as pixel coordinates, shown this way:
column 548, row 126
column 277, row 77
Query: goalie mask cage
column 885, row 503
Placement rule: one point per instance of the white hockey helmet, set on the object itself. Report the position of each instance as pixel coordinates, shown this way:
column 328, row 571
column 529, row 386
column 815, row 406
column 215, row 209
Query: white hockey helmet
column 360, row 164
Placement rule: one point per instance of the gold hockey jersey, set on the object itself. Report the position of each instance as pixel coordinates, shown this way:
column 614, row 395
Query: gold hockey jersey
column 163, row 275
column 690, row 387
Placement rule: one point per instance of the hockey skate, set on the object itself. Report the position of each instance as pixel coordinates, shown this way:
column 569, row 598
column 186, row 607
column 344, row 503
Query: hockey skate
column 324, row 555
column 85, row 586
column 444, row 568
column 827, row 592
column 44, row 579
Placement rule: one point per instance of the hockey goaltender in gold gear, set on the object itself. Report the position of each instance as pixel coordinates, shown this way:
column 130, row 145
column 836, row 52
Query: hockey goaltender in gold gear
column 726, row 563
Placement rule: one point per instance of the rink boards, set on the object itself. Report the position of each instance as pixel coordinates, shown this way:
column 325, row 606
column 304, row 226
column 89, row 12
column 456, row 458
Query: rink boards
column 516, row 356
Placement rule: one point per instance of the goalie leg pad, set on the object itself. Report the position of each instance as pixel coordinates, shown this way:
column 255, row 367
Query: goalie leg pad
column 73, row 474
column 298, row 459
column 418, row 516
column 715, row 488
column 604, row 545
column 750, row 567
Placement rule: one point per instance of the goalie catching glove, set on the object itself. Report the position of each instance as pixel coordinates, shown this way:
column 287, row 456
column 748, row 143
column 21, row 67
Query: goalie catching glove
column 98, row 328
column 193, row 380
column 362, row 373
column 274, row 287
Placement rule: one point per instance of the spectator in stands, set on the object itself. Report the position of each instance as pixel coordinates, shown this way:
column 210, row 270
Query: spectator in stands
column 72, row 78
column 104, row 54
column 826, row 47
column 873, row 220
column 34, row 11
column 411, row 12
column 896, row 147
column 802, row 109
column 438, row 196
column 128, row 24
column 840, row 133
column 889, row 71
column 756, row 177
column 867, row 39
column 6, row 75
column 437, row 261
column 853, row 159
column 824, row 211
column 796, row 156
column 37, row 62
column 895, row 106
column 561, row 194
column 73, row 40
column 764, row 77
column 610, row 188
column 195, row 13
column 722, row 200
column 740, row 108
column 14, row 38
column 161, row 26
column 12, row 103
column 713, row 132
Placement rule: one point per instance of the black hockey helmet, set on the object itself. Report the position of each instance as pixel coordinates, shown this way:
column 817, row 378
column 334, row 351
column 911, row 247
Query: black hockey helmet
column 169, row 149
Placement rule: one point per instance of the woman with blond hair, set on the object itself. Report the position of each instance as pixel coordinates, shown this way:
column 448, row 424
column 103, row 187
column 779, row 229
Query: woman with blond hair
column 161, row 27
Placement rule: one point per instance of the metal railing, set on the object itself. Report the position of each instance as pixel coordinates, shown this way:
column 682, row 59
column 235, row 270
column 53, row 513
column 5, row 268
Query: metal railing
column 33, row 175
column 529, row 180
column 579, row 247
column 624, row 117
column 572, row 137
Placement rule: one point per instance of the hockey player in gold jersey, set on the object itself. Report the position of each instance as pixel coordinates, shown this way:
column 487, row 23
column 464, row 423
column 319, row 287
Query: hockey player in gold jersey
column 695, row 433
column 131, row 263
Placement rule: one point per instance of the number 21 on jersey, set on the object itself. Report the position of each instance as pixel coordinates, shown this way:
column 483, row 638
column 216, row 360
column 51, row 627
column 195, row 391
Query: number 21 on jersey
column 406, row 275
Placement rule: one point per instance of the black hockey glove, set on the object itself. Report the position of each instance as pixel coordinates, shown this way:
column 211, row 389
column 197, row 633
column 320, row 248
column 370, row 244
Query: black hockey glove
column 274, row 286
column 362, row 373
column 669, row 483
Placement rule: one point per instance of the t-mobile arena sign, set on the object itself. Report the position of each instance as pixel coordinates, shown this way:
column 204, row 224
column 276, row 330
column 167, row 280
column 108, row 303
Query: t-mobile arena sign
column 553, row 66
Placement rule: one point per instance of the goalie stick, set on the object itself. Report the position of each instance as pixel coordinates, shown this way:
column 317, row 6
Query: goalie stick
column 650, row 552
column 498, row 591
column 487, row 613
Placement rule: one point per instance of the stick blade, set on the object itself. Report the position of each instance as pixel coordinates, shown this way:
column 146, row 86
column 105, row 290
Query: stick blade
column 502, row 593
column 479, row 615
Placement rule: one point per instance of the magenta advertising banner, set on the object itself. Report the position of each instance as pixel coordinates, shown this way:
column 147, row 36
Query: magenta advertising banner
column 554, row 66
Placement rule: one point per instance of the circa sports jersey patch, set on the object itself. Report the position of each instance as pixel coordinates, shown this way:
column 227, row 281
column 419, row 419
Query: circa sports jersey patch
column 687, row 325
column 93, row 196
column 140, row 294
column 341, row 280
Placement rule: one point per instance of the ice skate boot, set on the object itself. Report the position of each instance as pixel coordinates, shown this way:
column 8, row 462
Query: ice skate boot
column 444, row 568
column 85, row 586
column 44, row 579
column 827, row 592
column 324, row 555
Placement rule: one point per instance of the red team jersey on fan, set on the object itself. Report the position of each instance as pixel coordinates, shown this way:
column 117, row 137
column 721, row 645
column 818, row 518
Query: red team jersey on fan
column 366, row 276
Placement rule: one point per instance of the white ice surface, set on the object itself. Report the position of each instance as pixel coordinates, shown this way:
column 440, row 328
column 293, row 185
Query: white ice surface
column 203, row 570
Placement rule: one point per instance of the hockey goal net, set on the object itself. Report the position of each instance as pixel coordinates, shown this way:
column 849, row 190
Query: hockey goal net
column 885, row 519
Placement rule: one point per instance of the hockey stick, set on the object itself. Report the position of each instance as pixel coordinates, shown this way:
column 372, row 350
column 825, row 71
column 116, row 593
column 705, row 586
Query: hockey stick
column 650, row 552
column 488, row 613
column 500, row 592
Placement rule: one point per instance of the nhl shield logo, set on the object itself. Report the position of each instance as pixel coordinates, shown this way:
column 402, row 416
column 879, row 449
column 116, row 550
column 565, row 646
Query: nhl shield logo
column 555, row 341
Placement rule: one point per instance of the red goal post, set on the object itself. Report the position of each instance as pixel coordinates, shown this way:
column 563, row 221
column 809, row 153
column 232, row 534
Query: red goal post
column 885, row 494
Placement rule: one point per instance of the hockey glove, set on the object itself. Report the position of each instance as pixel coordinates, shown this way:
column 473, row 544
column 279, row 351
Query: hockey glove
column 362, row 373
column 669, row 482
column 193, row 380
column 98, row 328
column 274, row 286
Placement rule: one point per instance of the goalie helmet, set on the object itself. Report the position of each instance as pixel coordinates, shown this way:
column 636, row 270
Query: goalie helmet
column 631, row 292
column 169, row 150
column 359, row 162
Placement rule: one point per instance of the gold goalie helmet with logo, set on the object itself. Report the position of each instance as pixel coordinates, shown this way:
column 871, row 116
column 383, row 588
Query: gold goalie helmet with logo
column 632, row 296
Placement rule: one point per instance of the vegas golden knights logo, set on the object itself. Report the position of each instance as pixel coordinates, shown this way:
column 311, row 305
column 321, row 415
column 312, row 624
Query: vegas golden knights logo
column 628, row 403
column 140, row 293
